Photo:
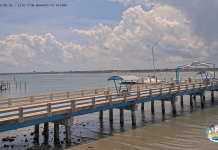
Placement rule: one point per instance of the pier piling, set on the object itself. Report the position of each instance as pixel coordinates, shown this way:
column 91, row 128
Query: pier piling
column 152, row 106
column 191, row 101
column 163, row 106
column 121, row 116
column 46, row 131
column 36, row 131
column 202, row 99
column 133, row 116
column 212, row 96
column 142, row 106
column 56, row 132
column 173, row 105
column 111, row 115
column 101, row 115
column 181, row 100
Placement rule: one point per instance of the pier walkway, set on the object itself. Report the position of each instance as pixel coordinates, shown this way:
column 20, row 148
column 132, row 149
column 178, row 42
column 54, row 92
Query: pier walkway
column 60, row 108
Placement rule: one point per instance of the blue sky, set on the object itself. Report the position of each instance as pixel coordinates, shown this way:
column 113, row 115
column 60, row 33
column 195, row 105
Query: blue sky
column 96, row 34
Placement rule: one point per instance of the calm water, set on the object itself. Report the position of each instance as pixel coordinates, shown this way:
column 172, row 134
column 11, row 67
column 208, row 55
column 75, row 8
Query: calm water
column 185, row 130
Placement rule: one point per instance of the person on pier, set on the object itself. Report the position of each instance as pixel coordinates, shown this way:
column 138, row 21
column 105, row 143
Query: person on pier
column 106, row 92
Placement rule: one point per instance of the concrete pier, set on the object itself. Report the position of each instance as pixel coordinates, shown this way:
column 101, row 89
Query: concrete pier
column 163, row 106
column 152, row 106
column 121, row 116
column 67, row 123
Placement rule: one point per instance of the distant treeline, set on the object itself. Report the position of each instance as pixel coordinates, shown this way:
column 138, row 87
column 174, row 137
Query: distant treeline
column 113, row 71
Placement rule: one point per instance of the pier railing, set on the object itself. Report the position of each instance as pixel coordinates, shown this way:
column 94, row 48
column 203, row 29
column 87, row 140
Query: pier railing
column 79, row 93
column 34, row 110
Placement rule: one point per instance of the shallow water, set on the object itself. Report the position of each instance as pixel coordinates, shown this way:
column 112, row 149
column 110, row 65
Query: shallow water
column 185, row 130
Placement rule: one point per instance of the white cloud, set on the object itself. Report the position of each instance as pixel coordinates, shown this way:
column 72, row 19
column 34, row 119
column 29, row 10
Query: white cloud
column 166, row 27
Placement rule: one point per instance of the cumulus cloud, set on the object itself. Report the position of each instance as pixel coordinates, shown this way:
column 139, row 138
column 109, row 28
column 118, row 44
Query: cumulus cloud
column 32, row 50
column 168, row 28
column 165, row 27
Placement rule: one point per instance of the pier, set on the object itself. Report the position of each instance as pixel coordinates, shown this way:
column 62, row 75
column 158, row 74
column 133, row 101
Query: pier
column 60, row 108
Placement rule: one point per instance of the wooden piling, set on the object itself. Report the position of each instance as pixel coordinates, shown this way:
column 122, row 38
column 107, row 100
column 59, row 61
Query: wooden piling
column 9, row 86
column 152, row 106
column 121, row 115
column 68, row 134
column 181, row 100
column 20, row 84
column 25, row 84
column 101, row 115
column 111, row 115
column 16, row 85
column 191, row 101
column 163, row 106
column 56, row 132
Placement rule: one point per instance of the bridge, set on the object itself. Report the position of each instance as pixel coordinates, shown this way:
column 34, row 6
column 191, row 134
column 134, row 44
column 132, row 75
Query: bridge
column 60, row 108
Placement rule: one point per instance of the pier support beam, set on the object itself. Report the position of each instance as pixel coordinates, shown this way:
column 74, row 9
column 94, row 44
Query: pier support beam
column 36, row 131
column 173, row 103
column 101, row 115
column 191, row 101
column 121, row 116
column 46, row 131
column 181, row 100
column 56, row 132
column 111, row 115
column 142, row 106
column 152, row 106
column 163, row 106
column 132, row 108
column 202, row 95
column 67, row 123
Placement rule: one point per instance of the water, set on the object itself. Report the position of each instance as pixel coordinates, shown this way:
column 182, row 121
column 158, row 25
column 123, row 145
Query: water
column 153, row 131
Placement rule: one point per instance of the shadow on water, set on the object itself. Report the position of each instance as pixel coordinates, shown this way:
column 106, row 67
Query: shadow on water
column 87, row 132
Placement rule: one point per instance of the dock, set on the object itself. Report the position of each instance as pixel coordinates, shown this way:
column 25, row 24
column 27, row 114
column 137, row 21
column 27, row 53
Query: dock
column 60, row 108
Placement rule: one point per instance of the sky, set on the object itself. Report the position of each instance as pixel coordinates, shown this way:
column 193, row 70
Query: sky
column 105, row 34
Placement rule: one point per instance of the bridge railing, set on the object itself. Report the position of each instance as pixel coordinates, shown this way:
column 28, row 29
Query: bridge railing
column 79, row 93
column 29, row 111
